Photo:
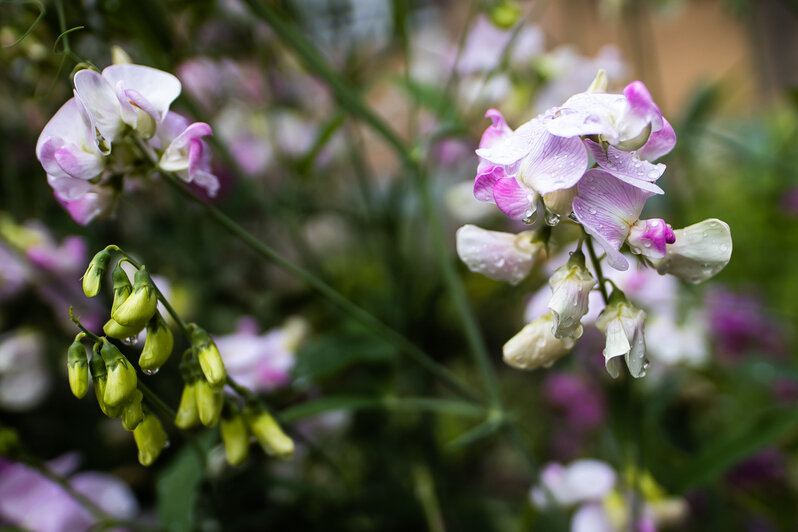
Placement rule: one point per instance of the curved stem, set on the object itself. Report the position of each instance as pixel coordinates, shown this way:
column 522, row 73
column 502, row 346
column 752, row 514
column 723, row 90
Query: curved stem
column 602, row 281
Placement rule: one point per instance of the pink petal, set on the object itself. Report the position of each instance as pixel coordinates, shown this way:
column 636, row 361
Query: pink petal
column 496, row 131
column 659, row 143
column 77, row 163
column 553, row 163
column 627, row 167
column 642, row 105
column 649, row 237
column 512, row 199
column 483, row 183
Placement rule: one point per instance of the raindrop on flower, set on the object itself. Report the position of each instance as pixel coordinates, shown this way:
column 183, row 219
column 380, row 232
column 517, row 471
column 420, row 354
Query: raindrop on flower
column 150, row 371
column 130, row 340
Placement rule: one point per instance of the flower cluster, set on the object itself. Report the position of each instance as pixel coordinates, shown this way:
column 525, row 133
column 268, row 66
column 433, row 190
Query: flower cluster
column 117, row 125
column 117, row 388
column 590, row 161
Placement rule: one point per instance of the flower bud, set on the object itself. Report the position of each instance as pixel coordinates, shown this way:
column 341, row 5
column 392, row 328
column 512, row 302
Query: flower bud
column 78, row 369
column 122, row 287
column 121, row 375
column 560, row 202
column 187, row 413
column 140, row 305
column 599, row 83
column 150, row 439
column 535, row 345
column 132, row 414
column 623, row 324
column 270, row 436
column 209, row 402
column 497, row 255
column 234, row 434
column 94, row 273
column 699, row 252
column 570, row 287
column 504, row 14
column 209, row 358
column 649, row 238
column 99, row 377
column 113, row 330
column 158, row 345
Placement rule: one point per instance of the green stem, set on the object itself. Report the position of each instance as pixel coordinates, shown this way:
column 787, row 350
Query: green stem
column 353, row 310
column 395, row 404
column 597, row 267
column 350, row 100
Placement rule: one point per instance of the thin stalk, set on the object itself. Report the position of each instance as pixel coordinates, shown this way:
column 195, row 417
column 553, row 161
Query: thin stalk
column 349, row 98
column 393, row 404
column 597, row 268
column 353, row 310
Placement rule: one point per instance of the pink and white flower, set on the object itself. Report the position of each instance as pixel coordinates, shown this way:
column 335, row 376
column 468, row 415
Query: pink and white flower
column 699, row 252
column 500, row 256
column 184, row 151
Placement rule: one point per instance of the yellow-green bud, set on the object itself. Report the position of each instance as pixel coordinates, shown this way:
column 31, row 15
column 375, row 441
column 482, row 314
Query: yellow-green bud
column 234, row 435
column 270, row 436
column 209, row 402
column 150, row 439
column 113, row 330
column 94, row 273
column 99, row 376
column 210, row 360
column 122, row 287
column 140, row 305
column 187, row 413
column 158, row 345
column 121, row 375
column 132, row 414
column 505, row 14
column 78, row 369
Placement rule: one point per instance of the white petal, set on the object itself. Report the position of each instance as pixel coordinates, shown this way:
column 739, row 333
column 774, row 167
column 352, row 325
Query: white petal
column 500, row 256
column 100, row 100
column 700, row 251
column 535, row 346
column 589, row 480
column 158, row 87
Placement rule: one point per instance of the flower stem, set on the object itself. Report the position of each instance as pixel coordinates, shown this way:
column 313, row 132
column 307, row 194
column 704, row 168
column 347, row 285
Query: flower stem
column 602, row 281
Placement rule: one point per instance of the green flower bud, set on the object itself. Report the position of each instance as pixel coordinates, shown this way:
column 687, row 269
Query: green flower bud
column 122, row 287
column 94, row 273
column 505, row 14
column 132, row 414
column 187, row 413
column 121, row 375
column 270, row 436
column 158, row 345
column 78, row 369
column 140, row 305
column 113, row 330
column 99, row 377
column 209, row 402
column 234, row 434
column 150, row 439
column 210, row 360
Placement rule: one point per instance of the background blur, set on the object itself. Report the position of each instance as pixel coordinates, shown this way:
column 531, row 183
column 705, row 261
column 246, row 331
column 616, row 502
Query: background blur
column 715, row 422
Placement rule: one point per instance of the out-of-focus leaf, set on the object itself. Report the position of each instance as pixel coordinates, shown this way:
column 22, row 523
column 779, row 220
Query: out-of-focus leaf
column 434, row 100
column 177, row 485
column 749, row 437
column 330, row 355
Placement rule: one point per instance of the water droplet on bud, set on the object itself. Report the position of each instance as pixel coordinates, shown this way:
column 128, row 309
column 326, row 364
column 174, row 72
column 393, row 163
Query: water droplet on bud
column 130, row 340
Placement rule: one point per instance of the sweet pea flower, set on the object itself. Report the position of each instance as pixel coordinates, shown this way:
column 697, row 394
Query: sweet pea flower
column 184, row 151
column 535, row 345
column 581, row 481
column 528, row 163
column 126, row 95
column 699, row 252
column 570, row 286
column 500, row 256
column 31, row 501
column 68, row 151
column 609, row 209
column 262, row 362
column 24, row 380
column 623, row 324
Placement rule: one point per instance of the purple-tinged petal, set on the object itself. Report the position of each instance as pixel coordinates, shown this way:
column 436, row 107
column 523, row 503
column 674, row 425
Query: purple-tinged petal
column 591, row 518
column 101, row 102
column 659, row 143
column 483, row 183
column 158, row 88
column 70, row 127
column 98, row 202
column 588, row 113
column 607, row 208
column 627, row 167
column 68, row 188
column 496, row 131
column 126, row 108
column 512, row 199
column 176, row 155
column 510, row 149
column 642, row 105
column 77, row 163
column 553, row 163
column 649, row 237
column 137, row 99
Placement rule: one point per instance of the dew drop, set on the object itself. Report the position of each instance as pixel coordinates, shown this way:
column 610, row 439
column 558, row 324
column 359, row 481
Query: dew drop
column 500, row 262
column 130, row 340
column 167, row 444
column 150, row 371
column 552, row 219
column 653, row 174
column 592, row 211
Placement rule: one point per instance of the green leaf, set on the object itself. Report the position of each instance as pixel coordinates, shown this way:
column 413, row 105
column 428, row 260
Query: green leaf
column 749, row 437
column 333, row 354
column 178, row 483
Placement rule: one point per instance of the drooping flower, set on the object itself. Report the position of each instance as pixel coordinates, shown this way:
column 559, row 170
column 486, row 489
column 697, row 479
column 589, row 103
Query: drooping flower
column 699, row 252
column 500, row 256
column 623, row 325
column 184, row 151
column 535, row 345
column 570, row 286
